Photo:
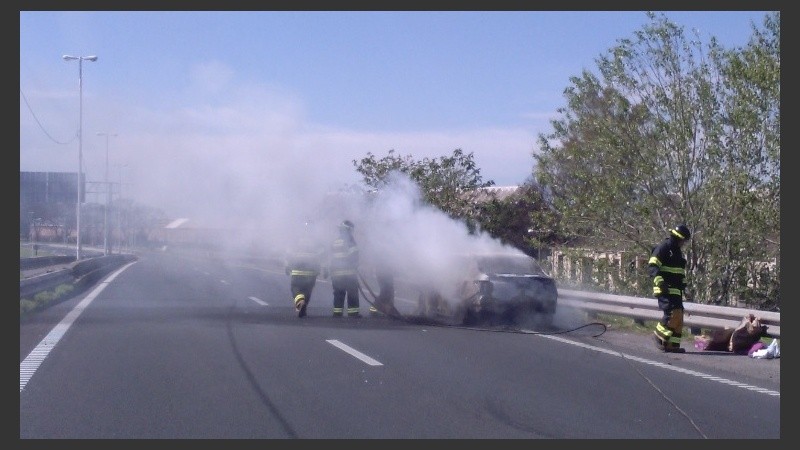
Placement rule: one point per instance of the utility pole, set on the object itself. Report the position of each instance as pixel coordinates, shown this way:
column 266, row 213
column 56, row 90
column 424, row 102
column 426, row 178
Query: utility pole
column 119, row 209
column 108, row 198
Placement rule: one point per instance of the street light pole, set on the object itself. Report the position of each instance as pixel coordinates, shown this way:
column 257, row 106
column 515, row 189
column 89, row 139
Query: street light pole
column 119, row 209
column 80, row 60
column 108, row 197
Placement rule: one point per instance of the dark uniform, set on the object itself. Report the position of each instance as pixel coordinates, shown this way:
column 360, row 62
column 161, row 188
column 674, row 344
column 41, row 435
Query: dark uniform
column 384, row 301
column 344, row 271
column 304, row 264
column 667, row 266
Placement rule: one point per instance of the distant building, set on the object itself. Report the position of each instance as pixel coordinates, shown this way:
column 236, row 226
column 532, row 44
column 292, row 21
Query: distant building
column 500, row 192
column 188, row 233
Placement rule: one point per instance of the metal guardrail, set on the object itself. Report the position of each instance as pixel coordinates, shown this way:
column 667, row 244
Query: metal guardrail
column 695, row 314
column 78, row 274
column 29, row 287
column 43, row 261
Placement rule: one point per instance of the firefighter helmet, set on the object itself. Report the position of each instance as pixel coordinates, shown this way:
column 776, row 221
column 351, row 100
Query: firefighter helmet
column 347, row 225
column 681, row 232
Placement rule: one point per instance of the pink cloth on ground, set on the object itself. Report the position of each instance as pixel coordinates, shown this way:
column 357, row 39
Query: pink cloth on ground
column 700, row 343
column 756, row 347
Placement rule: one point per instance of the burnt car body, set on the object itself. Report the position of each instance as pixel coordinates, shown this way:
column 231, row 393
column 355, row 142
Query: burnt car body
column 493, row 289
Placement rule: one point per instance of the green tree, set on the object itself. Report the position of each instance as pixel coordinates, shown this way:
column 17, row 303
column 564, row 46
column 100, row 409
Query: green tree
column 451, row 183
column 744, row 173
column 523, row 219
column 666, row 131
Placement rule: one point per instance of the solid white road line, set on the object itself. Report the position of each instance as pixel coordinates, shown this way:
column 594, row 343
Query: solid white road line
column 31, row 363
column 661, row 365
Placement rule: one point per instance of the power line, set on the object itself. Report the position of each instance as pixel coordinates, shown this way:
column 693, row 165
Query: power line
column 40, row 124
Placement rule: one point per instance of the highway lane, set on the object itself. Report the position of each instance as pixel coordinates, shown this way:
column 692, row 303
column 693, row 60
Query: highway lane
column 177, row 347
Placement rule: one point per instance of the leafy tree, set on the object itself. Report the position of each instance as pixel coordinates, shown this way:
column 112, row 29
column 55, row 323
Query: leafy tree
column 744, row 178
column 665, row 132
column 523, row 219
column 375, row 172
column 450, row 183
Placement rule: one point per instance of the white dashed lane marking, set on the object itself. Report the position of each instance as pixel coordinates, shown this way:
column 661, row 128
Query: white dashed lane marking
column 351, row 351
column 259, row 301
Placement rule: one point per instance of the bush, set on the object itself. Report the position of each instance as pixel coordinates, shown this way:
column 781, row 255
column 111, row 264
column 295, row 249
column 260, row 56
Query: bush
column 44, row 299
column 26, row 306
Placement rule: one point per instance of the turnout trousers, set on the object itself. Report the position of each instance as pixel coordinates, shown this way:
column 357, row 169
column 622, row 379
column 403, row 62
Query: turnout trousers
column 345, row 287
column 301, row 287
column 670, row 328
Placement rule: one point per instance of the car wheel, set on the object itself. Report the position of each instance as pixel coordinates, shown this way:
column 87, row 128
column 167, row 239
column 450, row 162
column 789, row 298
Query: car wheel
column 470, row 318
column 543, row 320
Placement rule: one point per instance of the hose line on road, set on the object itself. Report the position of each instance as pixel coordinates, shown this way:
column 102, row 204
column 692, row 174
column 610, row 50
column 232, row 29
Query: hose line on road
column 420, row 320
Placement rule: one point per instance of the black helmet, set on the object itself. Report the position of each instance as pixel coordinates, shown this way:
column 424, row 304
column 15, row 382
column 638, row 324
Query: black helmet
column 347, row 225
column 681, row 232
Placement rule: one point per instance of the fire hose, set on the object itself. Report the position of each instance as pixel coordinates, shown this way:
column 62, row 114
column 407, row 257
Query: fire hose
column 393, row 313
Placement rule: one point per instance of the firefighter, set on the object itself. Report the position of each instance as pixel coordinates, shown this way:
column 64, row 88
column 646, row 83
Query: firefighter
column 343, row 264
column 667, row 267
column 384, row 301
column 304, row 264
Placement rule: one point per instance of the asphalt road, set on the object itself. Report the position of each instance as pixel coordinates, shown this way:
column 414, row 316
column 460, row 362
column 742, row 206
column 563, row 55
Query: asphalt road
column 172, row 347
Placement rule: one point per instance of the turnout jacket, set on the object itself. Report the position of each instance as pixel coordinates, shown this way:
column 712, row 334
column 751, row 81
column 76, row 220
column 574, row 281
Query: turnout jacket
column 344, row 256
column 305, row 258
column 667, row 266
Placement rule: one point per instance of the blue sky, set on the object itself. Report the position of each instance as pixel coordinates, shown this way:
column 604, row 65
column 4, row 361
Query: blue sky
column 213, row 109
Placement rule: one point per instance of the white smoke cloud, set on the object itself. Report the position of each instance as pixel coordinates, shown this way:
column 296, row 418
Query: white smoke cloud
column 420, row 242
column 233, row 155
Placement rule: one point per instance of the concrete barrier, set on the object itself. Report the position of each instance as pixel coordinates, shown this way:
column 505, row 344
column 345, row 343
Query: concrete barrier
column 79, row 274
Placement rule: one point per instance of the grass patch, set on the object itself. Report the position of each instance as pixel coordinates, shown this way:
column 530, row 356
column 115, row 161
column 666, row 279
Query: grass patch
column 623, row 323
column 44, row 299
column 28, row 251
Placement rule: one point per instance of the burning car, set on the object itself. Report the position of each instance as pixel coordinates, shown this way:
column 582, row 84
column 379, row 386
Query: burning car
column 493, row 289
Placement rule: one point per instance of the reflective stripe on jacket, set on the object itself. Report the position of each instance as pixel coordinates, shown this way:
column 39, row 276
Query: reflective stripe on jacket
column 344, row 257
column 667, row 266
column 305, row 258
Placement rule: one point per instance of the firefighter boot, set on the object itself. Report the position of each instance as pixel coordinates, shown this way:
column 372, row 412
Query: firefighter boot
column 675, row 325
column 300, row 305
column 659, row 343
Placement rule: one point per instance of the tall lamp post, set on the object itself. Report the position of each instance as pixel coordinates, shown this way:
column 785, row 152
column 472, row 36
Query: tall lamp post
column 80, row 60
column 108, row 197
column 119, row 209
